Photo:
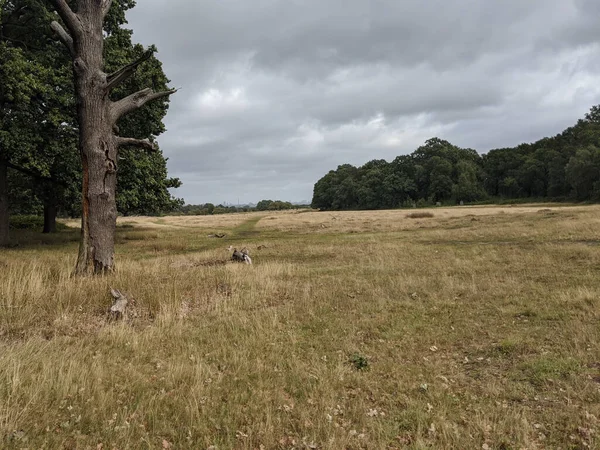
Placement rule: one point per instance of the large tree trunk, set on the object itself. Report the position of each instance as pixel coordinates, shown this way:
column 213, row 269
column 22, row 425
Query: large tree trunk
column 4, row 218
column 96, row 145
column 50, row 212
column 97, row 116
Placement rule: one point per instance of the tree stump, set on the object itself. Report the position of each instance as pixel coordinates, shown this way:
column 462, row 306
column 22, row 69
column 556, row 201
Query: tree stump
column 119, row 306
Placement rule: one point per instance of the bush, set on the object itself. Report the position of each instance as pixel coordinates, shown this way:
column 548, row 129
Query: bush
column 419, row 215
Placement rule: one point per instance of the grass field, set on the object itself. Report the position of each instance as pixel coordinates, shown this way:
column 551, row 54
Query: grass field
column 477, row 328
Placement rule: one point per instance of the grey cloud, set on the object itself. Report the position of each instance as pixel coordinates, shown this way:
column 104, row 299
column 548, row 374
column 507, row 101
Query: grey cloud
column 275, row 93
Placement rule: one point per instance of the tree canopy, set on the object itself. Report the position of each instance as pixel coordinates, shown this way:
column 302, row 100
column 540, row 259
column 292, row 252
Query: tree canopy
column 566, row 166
column 39, row 154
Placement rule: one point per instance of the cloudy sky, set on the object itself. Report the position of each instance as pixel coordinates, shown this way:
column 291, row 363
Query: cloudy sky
column 275, row 93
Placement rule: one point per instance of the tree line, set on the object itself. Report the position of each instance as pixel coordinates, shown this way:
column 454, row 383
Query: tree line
column 210, row 209
column 563, row 167
column 42, row 112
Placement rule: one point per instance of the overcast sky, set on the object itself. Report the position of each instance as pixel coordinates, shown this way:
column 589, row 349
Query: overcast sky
column 275, row 93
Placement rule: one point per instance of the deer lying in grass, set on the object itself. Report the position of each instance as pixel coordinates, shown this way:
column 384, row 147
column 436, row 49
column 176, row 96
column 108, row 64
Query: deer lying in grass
column 241, row 256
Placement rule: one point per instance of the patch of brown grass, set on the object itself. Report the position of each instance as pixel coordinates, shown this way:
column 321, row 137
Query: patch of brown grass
column 420, row 215
column 475, row 333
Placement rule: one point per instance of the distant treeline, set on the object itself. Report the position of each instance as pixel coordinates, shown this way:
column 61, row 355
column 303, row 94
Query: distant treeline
column 563, row 167
column 210, row 209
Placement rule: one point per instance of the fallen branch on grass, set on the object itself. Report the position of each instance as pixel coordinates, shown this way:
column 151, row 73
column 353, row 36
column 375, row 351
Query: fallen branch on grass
column 119, row 306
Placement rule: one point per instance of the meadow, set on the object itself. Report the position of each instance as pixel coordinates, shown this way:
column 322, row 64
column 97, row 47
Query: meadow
column 460, row 328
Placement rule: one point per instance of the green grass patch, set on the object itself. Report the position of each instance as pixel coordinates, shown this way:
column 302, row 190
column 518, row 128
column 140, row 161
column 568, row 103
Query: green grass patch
column 542, row 369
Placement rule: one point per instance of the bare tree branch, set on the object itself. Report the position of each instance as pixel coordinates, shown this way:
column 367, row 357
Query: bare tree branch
column 106, row 4
column 144, row 143
column 136, row 101
column 68, row 16
column 64, row 37
column 114, row 79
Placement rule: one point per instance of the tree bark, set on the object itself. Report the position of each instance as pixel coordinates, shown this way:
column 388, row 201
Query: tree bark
column 50, row 212
column 98, row 151
column 97, row 116
column 96, row 142
column 4, row 217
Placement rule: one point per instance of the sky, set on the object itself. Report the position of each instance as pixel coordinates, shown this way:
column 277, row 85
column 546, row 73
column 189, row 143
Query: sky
column 275, row 93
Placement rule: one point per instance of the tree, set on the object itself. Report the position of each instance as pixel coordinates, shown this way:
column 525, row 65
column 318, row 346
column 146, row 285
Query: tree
column 97, row 117
column 440, row 176
column 323, row 191
column 17, row 86
column 142, row 182
column 263, row 205
column 468, row 187
column 38, row 151
column 583, row 173
column 567, row 164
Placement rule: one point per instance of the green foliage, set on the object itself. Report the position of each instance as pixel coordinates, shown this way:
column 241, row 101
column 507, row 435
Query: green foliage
column 31, row 222
column 436, row 171
column 143, row 183
column 544, row 369
column 583, row 173
column 37, row 113
column 209, row 208
column 270, row 205
column 561, row 167
column 359, row 362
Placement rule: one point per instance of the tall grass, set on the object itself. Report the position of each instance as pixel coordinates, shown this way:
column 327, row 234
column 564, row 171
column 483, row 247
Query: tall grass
column 375, row 332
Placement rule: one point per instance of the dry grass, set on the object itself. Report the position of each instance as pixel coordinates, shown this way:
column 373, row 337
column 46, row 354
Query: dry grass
column 420, row 215
column 223, row 221
column 477, row 328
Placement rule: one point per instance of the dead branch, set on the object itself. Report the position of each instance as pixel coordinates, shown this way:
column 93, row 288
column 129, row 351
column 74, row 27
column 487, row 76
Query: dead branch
column 63, row 36
column 119, row 306
column 70, row 19
column 144, row 143
column 136, row 101
column 106, row 4
column 114, row 79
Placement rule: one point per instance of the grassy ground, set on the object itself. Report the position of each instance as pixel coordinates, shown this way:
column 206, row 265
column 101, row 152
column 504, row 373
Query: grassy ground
column 477, row 328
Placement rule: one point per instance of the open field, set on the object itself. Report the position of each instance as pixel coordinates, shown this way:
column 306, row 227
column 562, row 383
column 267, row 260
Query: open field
column 477, row 328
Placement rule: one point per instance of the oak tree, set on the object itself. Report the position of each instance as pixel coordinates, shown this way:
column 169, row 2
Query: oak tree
column 97, row 116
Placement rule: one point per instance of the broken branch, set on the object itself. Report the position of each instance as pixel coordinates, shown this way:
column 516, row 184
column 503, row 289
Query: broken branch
column 114, row 79
column 68, row 16
column 63, row 36
column 119, row 306
column 136, row 101
column 144, row 143
column 106, row 4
